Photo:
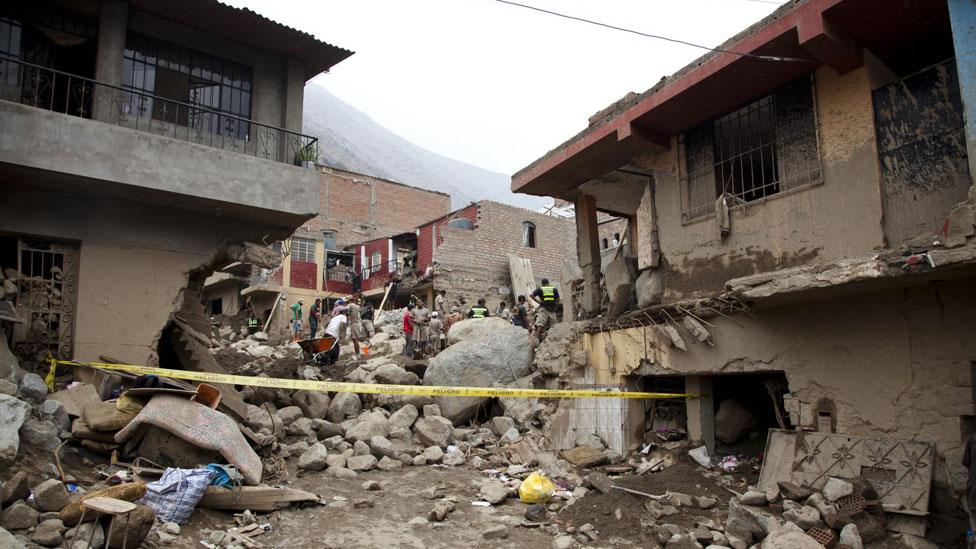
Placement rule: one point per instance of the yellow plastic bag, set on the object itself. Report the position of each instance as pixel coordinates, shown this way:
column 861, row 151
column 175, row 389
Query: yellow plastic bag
column 129, row 404
column 536, row 488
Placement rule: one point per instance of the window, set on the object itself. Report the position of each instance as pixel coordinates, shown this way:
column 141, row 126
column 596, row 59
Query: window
column 753, row 152
column 376, row 262
column 528, row 234
column 331, row 239
column 605, row 244
column 302, row 249
column 188, row 76
column 10, row 31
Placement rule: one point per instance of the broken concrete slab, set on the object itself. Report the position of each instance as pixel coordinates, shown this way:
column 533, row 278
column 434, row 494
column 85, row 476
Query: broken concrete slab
column 76, row 398
column 584, row 456
column 13, row 412
column 620, row 279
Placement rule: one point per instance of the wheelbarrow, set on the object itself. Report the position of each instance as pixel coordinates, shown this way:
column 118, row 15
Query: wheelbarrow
column 317, row 349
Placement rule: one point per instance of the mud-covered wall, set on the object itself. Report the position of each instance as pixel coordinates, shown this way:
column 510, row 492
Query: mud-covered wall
column 839, row 217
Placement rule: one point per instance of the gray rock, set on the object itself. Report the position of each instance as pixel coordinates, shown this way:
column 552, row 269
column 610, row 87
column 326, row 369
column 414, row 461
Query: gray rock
column 402, row 434
column 404, row 417
column 805, row 517
column 32, row 388
column 850, row 537
column 742, row 523
column 785, row 538
column 8, row 541
column 493, row 491
column 314, row 459
column 523, row 410
column 289, row 414
column 18, row 516
column 649, row 288
column 326, row 429
column 753, row 497
column 453, row 458
column 341, row 472
column 83, row 532
column 314, row 404
column 302, row 427
column 705, row 502
column 733, row 420
column 333, row 443
column 51, row 495
column 48, row 533
column 40, row 434
column 389, row 464
column 8, row 387
column 16, row 488
column 434, row 430
column 431, row 410
column 488, row 357
column 371, row 486
column 381, row 446
column 392, row 374
column 53, row 411
column 510, row 436
column 501, row 424
column 361, row 463
column 563, row 542
column 368, row 426
column 496, row 532
column 13, row 412
column 418, row 460
column 682, row 541
column 344, row 405
column 793, row 491
column 536, row 513
column 258, row 418
column 361, row 448
column 336, row 460
column 433, row 454
column 619, row 279
column 836, row 488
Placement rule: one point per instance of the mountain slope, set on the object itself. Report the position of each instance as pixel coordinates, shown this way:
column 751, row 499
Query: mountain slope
column 352, row 141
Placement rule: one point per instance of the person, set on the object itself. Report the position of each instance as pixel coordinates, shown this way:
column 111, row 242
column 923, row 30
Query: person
column 455, row 316
column 339, row 307
column 296, row 320
column 520, row 317
column 408, row 332
column 420, row 334
column 367, row 314
column 547, row 297
column 504, row 312
column 336, row 329
column 313, row 318
column 355, row 323
column 253, row 326
column 436, row 327
column 440, row 303
column 479, row 310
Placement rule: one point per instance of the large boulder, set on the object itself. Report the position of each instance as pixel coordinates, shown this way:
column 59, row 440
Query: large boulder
column 391, row 374
column 344, row 405
column 367, row 426
column 434, row 431
column 479, row 362
column 733, row 420
column 314, row 404
column 13, row 412
column 476, row 328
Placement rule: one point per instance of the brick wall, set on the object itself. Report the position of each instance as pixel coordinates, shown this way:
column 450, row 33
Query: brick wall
column 425, row 240
column 473, row 264
column 611, row 227
column 302, row 275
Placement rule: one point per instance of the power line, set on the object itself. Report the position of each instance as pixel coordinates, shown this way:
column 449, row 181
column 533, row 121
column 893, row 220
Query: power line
column 658, row 37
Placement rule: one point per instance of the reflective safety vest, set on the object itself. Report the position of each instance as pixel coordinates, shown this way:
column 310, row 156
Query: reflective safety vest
column 252, row 323
column 548, row 294
column 479, row 312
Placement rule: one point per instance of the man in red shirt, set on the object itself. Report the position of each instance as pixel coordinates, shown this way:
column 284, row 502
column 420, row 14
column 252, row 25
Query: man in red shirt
column 408, row 332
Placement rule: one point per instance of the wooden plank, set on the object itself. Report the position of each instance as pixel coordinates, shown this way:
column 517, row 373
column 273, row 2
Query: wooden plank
column 523, row 281
column 254, row 498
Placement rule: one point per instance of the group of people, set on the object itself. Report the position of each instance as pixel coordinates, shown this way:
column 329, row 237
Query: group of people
column 426, row 330
column 353, row 315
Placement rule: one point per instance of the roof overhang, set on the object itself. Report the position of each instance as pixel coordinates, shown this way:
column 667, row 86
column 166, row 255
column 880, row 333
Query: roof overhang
column 813, row 32
column 249, row 28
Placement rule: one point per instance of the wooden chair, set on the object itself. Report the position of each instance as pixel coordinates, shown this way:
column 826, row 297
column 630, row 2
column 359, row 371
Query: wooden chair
column 105, row 506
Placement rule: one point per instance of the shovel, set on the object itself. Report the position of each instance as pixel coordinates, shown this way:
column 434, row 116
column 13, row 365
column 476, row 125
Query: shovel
column 603, row 483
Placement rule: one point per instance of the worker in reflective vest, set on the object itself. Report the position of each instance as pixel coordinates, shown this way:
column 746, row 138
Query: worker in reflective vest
column 479, row 311
column 252, row 324
column 548, row 299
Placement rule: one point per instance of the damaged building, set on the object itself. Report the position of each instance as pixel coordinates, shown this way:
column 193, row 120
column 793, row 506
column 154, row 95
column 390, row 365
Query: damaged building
column 320, row 257
column 468, row 253
column 800, row 250
column 144, row 145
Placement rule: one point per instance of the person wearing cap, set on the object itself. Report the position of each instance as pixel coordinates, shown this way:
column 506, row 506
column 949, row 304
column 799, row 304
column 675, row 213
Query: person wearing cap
column 436, row 327
column 296, row 320
column 339, row 307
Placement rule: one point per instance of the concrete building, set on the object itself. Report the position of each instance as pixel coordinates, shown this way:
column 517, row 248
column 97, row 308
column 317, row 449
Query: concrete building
column 320, row 263
column 466, row 253
column 805, row 195
column 142, row 145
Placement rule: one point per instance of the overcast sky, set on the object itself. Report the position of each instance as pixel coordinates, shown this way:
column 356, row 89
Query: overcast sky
column 496, row 85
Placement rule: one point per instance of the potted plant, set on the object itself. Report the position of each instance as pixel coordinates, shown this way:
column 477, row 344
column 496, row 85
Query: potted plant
column 307, row 156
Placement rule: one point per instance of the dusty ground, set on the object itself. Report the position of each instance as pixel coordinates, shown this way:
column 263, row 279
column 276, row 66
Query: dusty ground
column 404, row 496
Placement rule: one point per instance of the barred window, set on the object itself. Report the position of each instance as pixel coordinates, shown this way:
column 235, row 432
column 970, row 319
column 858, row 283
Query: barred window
column 302, row 249
column 188, row 76
column 528, row 234
column 755, row 151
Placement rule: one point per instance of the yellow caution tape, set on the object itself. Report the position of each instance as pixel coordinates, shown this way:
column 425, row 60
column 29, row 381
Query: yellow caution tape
column 369, row 388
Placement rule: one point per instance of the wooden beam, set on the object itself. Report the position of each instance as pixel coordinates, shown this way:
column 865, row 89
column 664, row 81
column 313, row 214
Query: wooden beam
column 588, row 251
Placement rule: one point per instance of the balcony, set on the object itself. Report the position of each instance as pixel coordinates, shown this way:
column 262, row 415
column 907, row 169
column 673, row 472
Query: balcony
column 82, row 135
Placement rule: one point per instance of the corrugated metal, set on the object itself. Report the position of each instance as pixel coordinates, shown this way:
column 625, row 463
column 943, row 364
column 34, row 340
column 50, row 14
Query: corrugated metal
column 247, row 27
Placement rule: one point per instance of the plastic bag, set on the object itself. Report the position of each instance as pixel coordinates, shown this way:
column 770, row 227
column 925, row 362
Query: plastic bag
column 174, row 496
column 536, row 488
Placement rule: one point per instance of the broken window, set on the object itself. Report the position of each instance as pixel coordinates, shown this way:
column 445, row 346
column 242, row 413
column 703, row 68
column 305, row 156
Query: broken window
column 302, row 250
column 186, row 76
column 755, row 151
column 528, row 234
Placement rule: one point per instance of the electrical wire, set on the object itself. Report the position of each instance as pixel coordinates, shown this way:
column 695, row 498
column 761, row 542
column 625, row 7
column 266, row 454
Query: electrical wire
column 656, row 36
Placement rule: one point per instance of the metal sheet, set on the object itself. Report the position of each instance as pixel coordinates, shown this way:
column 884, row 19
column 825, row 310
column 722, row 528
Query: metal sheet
column 900, row 471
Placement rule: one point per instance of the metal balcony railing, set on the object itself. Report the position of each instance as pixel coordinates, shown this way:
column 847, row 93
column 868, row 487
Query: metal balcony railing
column 59, row 91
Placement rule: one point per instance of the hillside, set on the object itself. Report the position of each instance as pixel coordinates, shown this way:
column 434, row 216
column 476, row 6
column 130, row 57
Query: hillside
column 350, row 140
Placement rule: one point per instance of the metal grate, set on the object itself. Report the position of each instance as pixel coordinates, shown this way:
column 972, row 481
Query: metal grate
column 46, row 286
column 758, row 150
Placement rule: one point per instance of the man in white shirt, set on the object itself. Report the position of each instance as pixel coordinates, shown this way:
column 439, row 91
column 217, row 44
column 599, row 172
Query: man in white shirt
column 336, row 329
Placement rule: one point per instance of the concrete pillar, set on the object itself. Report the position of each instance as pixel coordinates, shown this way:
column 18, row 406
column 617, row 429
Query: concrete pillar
column 293, row 93
column 319, row 264
column 112, row 23
column 962, row 16
column 588, row 251
column 701, row 412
